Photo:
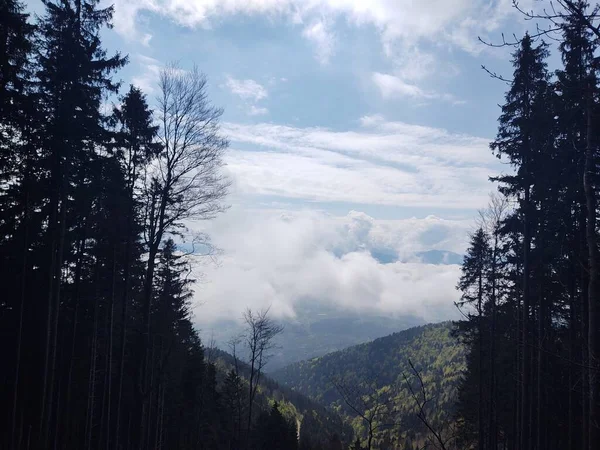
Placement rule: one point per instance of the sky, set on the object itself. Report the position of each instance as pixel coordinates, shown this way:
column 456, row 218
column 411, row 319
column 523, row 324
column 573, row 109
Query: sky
column 357, row 129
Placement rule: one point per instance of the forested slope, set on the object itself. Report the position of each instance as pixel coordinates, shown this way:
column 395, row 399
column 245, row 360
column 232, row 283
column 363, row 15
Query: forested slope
column 377, row 370
column 317, row 423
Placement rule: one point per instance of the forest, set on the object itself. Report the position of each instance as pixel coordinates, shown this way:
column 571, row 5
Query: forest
column 370, row 385
column 98, row 185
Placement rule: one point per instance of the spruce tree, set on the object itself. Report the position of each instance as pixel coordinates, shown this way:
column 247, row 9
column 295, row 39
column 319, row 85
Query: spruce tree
column 523, row 137
column 74, row 75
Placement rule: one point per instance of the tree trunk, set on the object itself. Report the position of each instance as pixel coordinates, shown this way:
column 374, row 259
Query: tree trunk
column 593, row 276
column 517, row 375
column 583, row 302
column 572, row 358
column 481, row 438
column 111, row 312
column 78, row 266
column 56, row 315
column 24, row 264
column 540, row 431
column 53, row 244
column 92, row 373
column 250, row 399
column 525, row 428
column 124, row 301
column 492, row 441
column 156, row 236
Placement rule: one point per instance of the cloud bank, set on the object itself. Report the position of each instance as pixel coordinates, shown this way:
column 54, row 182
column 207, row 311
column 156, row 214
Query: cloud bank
column 381, row 163
column 283, row 258
column 450, row 21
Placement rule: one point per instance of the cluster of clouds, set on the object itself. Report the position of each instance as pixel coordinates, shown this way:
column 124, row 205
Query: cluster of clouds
column 249, row 91
column 413, row 34
column 282, row 258
column 380, row 163
column 286, row 254
column 391, row 86
column 453, row 21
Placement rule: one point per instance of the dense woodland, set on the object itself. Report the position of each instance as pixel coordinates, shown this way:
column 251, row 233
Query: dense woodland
column 529, row 281
column 370, row 384
column 319, row 425
column 97, row 184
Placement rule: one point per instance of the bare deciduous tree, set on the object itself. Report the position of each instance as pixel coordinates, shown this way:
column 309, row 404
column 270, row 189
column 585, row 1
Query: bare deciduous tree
column 185, row 181
column 261, row 331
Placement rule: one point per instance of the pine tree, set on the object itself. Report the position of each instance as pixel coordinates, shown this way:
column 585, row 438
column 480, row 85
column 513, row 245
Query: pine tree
column 475, row 291
column 73, row 76
column 134, row 146
column 233, row 393
column 524, row 135
column 273, row 432
column 18, row 122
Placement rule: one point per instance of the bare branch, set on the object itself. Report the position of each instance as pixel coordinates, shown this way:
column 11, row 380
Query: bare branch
column 422, row 399
column 496, row 76
column 261, row 331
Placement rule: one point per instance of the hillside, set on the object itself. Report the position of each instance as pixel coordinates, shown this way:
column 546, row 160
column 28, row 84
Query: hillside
column 375, row 369
column 317, row 424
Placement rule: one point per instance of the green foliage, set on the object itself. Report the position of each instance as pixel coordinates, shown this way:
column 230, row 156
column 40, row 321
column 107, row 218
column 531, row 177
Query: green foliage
column 436, row 354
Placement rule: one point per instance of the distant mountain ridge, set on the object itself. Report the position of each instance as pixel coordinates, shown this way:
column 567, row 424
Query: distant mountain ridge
column 318, row 334
column 319, row 329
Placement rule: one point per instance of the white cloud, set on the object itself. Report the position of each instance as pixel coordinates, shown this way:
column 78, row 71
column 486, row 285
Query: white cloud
column 257, row 111
column 145, row 39
column 383, row 163
column 251, row 92
column 372, row 120
column 391, row 86
column 414, row 65
column 455, row 22
column 322, row 38
column 284, row 258
column 246, row 89
column 147, row 79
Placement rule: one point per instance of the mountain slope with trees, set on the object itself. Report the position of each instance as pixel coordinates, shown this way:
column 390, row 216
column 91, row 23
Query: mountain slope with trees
column 371, row 383
column 317, row 424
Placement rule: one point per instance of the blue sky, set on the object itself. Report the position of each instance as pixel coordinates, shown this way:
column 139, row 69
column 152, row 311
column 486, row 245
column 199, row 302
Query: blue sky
column 356, row 127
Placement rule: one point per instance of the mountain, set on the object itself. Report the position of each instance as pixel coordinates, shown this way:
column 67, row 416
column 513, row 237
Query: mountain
column 316, row 423
column 316, row 330
column 326, row 330
column 380, row 372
